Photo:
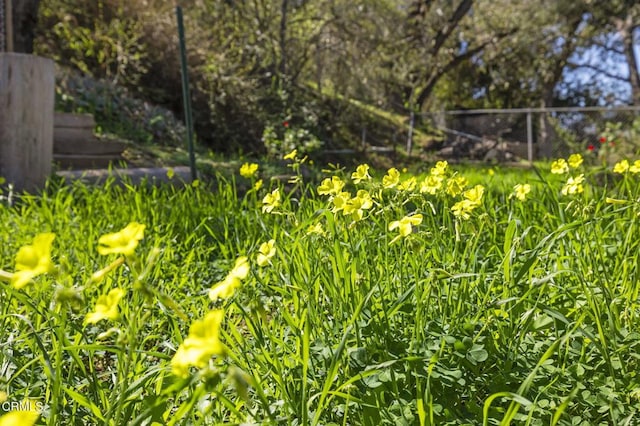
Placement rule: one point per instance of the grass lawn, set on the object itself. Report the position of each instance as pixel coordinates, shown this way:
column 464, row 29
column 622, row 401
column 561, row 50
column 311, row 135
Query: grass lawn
column 449, row 297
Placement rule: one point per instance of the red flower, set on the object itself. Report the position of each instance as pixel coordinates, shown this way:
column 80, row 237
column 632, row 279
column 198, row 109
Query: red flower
column 285, row 123
column 603, row 139
column 591, row 148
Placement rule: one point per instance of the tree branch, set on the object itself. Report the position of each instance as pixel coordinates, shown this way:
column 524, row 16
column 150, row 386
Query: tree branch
column 425, row 92
column 445, row 32
column 599, row 70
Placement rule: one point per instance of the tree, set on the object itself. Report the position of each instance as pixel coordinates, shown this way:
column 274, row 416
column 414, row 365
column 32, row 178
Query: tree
column 440, row 36
column 615, row 39
column 25, row 20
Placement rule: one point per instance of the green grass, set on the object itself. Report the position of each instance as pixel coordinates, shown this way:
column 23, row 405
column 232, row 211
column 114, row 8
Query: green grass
column 525, row 313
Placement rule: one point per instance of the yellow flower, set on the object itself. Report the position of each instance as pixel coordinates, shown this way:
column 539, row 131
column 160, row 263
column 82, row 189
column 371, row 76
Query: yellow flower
column 440, row 169
column 340, row 201
column 408, row 185
column 573, row 185
column 361, row 173
column 315, row 229
column 33, row 260
column 271, row 201
column 291, row 155
column 195, row 183
column 575, row 160
column 474, row 194
column 225, row 288
column 106, row 307
column 122, row 242
column 331, row 186
column 391, row 179
column 520, row 191
column 356, row 205
column 456, row 185
column 257, row 185
column 463, row 209
column 201, row 344
column 621, row 167
column 247, row 170
column 19, row 418
column 267, row 251
column 559, row 167
column 431, row 184
column 404, row 225
column 635, row 169
column 170, row 173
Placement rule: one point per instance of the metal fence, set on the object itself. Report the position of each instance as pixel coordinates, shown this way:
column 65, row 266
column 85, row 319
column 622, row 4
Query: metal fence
column 536, row 133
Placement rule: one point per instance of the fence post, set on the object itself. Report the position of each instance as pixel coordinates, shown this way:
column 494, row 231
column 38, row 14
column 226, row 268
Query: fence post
column 529, row 137
column 27, row 89
column 412, row 121
column 186, row 93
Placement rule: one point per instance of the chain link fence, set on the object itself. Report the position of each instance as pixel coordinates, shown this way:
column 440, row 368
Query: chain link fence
column 538, row 133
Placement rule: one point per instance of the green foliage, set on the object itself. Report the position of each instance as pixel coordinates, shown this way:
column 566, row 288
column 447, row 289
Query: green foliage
column 279, row 145
column 621, row 140
column 116, row 111
column 99, row 38
column 524, row 312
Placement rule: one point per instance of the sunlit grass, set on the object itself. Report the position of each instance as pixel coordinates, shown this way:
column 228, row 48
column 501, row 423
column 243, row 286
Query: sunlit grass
column 386, row 306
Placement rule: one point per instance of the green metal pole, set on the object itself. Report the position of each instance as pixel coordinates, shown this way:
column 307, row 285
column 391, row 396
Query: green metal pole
column 186, row 94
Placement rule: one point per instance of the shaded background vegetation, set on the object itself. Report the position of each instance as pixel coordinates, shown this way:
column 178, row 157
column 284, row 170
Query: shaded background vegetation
column 259, row 64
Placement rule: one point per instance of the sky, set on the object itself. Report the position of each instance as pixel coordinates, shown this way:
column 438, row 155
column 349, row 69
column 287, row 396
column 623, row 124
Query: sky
column 612, row 63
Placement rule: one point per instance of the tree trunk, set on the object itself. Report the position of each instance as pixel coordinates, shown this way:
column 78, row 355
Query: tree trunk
column 25, row 18
column 283, row 38
column 625, row 29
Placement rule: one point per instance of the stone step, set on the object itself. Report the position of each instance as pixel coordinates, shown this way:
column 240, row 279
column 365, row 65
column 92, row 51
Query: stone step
column 152, row 175
column 81, row 161
column 87, row 146
column 68, row 120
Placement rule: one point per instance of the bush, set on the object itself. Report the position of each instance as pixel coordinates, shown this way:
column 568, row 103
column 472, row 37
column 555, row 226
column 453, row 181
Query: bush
column 116, row 111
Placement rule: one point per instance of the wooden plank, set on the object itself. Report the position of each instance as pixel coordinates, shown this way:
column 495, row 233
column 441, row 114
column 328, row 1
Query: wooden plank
column 64, row 119
column 26, row 119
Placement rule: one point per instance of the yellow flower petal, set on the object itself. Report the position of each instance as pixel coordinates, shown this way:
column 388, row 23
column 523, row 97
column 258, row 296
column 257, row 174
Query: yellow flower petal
column 271, row 201
column 391, row 179
column 122, row 242
column 106, row 307
column 575, row 160
column 621, row 167
column 361, row 173
column 291, row 155
column 247, row 170
column 266, row 252
column 225, row 288
column 33, row 260
column 559, row 167
column 201, row 344
column 19, row 418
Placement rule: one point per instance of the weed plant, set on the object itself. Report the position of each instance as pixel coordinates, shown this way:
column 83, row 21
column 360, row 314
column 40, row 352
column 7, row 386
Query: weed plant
column 360, row 301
